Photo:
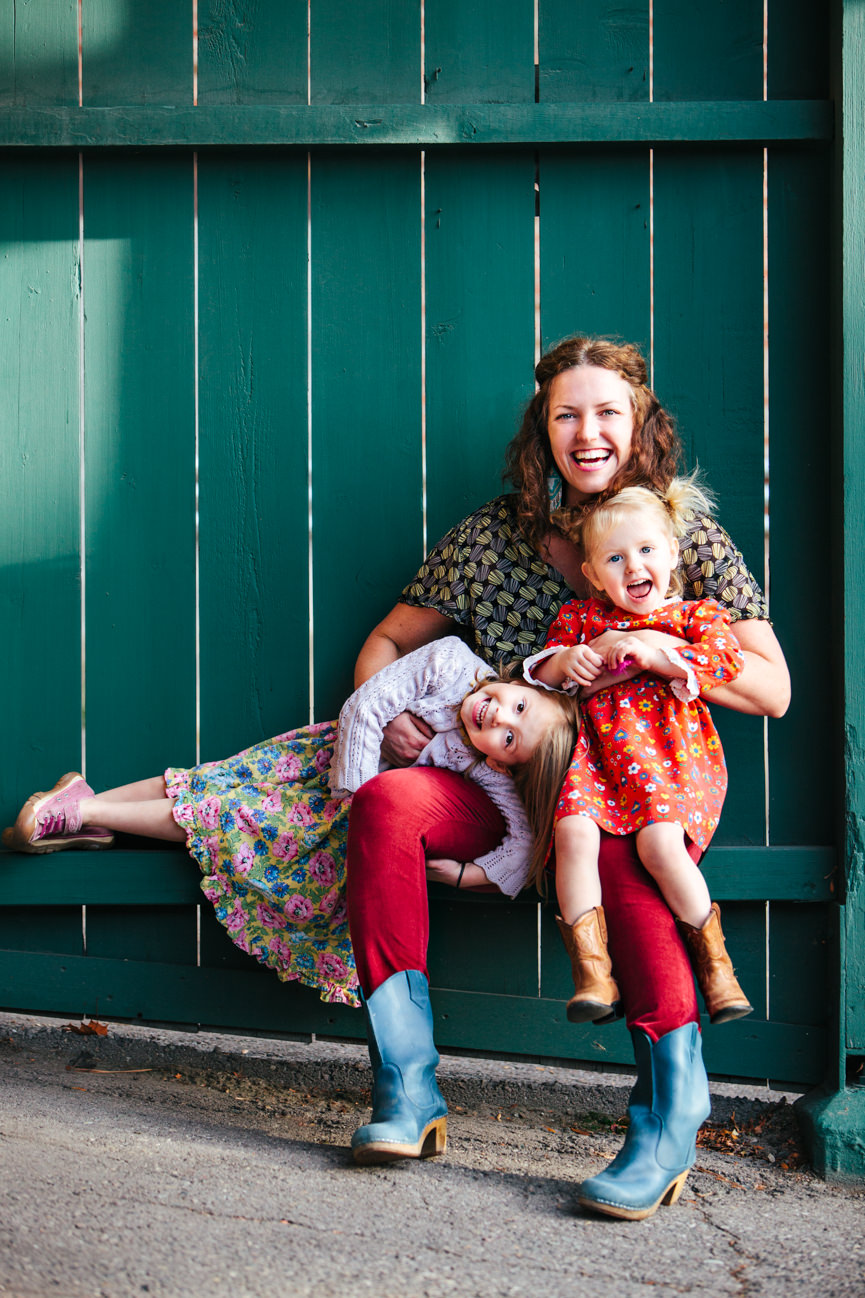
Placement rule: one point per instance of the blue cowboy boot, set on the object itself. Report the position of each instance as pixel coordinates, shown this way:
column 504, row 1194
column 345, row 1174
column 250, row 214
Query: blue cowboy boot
column 408, row 1109
column 668, row 1103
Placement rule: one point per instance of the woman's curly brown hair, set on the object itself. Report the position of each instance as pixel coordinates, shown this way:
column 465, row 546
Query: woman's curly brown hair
column 656, row 449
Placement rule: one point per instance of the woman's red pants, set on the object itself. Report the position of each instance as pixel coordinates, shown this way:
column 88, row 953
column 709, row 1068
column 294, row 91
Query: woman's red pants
column 401, row 817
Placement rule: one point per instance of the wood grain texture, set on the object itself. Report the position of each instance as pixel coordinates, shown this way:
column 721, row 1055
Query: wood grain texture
column 366, row 404
column 479, row 53
column 39, row 53
column 365, row 54
column 370, row 124
column 137, row 53
column 595, row 267
column 591, row 50
column 40, row 584
column 479, row 325
column 806, row 769
column 712, row 50
column 252, row 52
column 253, row 498
column 709, row 373
column 140, row 468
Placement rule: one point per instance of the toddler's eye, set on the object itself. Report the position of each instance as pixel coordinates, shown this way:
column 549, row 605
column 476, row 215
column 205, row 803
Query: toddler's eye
column 521, row 705
column 509, row 738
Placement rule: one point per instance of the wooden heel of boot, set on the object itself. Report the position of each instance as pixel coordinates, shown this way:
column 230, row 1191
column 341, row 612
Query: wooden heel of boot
column 435, row 1139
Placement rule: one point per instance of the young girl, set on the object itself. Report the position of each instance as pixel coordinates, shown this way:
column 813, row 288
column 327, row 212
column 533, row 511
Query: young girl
column 648, row 759
column 268, row 828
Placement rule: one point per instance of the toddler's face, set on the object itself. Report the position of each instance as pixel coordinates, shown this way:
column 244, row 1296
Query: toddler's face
column 633, row 562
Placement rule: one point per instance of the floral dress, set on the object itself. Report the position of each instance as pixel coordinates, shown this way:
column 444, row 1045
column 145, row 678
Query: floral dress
column 648, row 750
column 270, row 839
column 269, row 827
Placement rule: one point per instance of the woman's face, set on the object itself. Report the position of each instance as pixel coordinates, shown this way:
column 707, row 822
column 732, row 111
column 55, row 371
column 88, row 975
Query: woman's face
column 590, row 424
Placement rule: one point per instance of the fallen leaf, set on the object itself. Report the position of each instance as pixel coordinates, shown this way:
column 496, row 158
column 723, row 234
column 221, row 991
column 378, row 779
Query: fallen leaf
column 89, row 1029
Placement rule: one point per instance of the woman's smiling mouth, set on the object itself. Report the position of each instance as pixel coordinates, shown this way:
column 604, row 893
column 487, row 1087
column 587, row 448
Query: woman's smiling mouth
column 591, row 459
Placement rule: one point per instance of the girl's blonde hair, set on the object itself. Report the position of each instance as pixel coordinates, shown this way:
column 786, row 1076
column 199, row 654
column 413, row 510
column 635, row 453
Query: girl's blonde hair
column 672, row 507
column 539, row 780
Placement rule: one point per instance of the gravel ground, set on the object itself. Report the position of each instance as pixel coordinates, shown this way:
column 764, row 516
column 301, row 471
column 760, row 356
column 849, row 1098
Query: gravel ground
column 162, row 1163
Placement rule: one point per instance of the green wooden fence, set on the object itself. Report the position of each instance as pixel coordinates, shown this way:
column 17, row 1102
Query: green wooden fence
column 270, row 300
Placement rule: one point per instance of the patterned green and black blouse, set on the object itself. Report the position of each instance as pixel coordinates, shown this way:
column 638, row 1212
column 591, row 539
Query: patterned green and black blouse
column 488, row 579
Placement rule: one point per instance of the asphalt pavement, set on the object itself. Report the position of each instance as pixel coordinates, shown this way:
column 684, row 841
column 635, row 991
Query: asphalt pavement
column 187, row 1165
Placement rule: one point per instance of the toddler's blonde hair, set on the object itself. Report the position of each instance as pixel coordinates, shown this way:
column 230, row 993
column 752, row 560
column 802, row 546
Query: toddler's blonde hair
column 672, row 508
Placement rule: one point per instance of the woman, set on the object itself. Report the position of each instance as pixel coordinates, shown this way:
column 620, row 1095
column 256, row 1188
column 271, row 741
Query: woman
column 500, row 576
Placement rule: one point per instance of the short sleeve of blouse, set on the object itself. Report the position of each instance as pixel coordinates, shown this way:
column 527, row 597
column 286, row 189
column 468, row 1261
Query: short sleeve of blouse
column 713, row 568
column 487, row 578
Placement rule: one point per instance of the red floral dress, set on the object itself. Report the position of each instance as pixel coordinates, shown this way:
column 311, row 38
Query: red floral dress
column 648, row 750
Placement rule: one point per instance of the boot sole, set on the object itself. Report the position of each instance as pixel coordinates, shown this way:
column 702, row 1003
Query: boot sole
column 433, row 1141
column 667, row 1199
column 593, row 1012
column 731, row 1012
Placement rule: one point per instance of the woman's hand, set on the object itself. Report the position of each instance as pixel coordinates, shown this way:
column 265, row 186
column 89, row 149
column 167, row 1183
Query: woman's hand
column 404, row 739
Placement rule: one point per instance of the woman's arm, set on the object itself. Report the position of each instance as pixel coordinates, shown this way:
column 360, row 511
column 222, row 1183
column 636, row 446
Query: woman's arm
column 403, row 629
column 762, row 689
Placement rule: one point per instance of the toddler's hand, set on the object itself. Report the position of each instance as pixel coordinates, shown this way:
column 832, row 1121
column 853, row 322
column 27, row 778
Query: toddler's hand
column 631, row 652
column 579, row 663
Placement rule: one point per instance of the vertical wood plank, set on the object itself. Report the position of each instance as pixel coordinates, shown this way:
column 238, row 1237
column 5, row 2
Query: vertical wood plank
column 709, row 373
column 479, row 53
column 136, row 53
column 40, row 591
column 802, row 788
column 480, row 327
column 39, row 53
column 140, row 467
column 712, row 50
column 595, row 50
column 798, row 50
column 365, row 54
column 366, row 402
column 253, row 531
column 595, row 245
column 252, row 51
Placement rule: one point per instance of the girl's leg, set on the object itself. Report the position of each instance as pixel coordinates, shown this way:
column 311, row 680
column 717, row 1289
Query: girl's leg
column 578, row 884
column 150, row 819
column 581, row 922
column 662, row 850
column 652, row 966
column 140, row 808
column 397, row 820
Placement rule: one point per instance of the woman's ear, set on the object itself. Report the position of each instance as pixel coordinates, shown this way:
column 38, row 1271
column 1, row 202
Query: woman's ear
column 495, row 765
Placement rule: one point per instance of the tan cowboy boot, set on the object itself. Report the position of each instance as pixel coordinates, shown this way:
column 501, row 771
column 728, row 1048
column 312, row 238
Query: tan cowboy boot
column 596, row 997
column 712, row 968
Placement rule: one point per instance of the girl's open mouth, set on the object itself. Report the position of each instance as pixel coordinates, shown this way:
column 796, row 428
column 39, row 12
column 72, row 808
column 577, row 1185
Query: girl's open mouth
column 640, row 590
column 479, row 711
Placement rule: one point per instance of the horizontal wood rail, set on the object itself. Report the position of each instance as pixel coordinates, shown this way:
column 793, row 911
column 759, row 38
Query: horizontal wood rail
column 168, row 878
column 417, row 125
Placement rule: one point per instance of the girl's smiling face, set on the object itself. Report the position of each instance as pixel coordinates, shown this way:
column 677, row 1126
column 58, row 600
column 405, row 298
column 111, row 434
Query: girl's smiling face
column 632, row 563
column 506, row 721
column 590, row 424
